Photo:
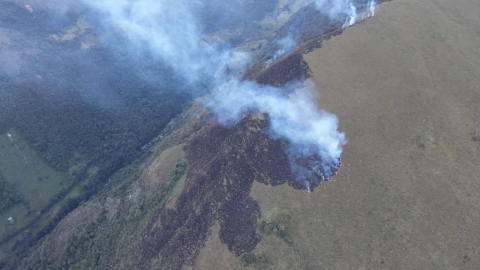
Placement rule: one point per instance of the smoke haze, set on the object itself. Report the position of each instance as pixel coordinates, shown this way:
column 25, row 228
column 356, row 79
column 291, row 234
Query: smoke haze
column 286, row 44
column 170, row 37
column 346, row 10
column 315, row 145
column 170, row 30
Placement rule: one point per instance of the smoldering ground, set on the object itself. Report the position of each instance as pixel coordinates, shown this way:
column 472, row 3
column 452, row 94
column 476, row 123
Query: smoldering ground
column 172, row 30
column 165, row 44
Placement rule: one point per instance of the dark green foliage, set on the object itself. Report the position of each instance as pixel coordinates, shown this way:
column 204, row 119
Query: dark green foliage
column 95, row 245
column 285, row 236
column 252, row 258
column 177, row 173
column 59, row 127
column 270, row 226
column 8, row 195
column 4, row 125
column 66, row 129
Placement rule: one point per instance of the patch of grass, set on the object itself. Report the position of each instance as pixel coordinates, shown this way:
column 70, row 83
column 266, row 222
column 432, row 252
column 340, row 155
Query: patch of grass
column 424, row 141
column 29, row 181
column 177, row 173
column 74, row 169
column 93, row 170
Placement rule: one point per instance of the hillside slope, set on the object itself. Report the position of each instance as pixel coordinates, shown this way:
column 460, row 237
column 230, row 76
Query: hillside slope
column 404, row 86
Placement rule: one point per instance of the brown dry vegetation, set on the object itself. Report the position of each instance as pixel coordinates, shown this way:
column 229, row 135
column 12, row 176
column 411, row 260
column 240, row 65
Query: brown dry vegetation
column 223, row 164
column 404, row 85
column 159, row 170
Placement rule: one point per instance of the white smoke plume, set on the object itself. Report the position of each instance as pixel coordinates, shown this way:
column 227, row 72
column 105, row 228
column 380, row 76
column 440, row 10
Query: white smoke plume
column 310, row 132
column 171, row 31
column 345, row 10
column 286, row 44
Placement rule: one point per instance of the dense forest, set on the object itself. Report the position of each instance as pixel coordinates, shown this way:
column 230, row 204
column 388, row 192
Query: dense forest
column 89, row 107
column 87, row 113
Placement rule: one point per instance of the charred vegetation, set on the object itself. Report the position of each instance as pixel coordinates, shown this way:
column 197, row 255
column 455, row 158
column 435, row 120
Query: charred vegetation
column 223, row 164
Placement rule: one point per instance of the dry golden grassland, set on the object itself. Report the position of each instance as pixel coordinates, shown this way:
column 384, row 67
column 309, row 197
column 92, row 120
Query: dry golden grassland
column 405, row 87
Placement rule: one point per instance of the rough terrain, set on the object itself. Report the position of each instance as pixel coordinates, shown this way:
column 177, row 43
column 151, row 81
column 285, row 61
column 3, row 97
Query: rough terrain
column 404, row 85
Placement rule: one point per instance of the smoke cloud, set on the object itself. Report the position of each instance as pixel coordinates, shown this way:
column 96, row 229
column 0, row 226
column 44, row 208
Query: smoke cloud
column 346, row 10
column 171, row 31
column 315, row 145
column 286, row 44
column 167, row 38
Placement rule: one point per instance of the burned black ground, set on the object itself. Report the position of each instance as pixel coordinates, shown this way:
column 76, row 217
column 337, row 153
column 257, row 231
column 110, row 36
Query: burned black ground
column 223, row 164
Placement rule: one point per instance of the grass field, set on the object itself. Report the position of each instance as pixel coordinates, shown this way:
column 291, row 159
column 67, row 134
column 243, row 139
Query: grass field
column 405, row 87
column 34, row 179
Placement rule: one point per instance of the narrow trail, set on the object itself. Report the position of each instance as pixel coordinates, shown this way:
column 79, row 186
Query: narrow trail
column 10, row 137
